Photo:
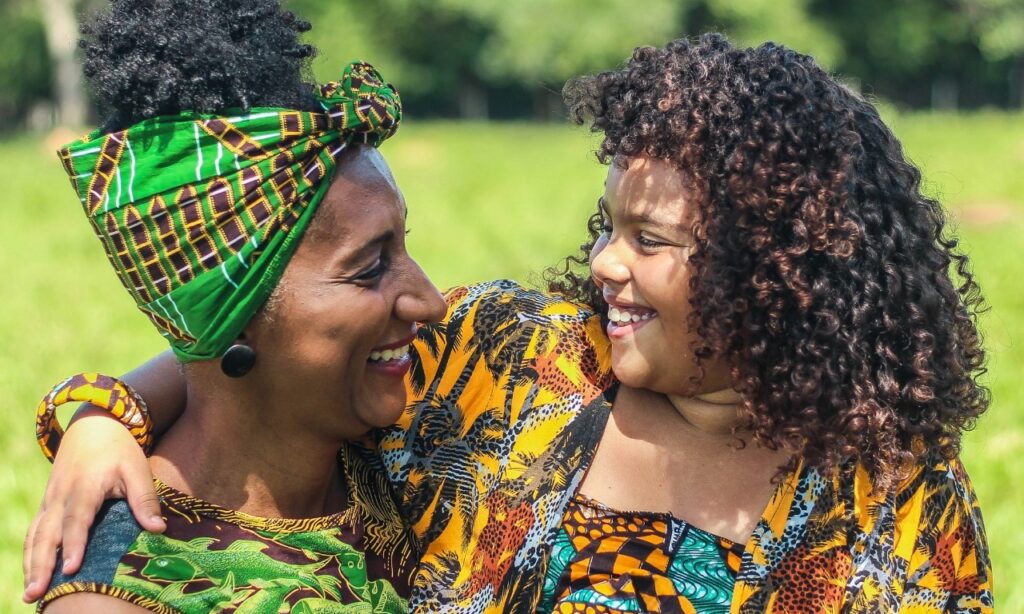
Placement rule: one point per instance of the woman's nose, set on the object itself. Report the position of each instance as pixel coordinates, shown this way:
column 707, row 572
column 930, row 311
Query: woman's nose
column 420, row 301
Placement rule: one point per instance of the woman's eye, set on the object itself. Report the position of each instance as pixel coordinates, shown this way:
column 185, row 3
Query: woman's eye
column 606, row 226
column 372, row 273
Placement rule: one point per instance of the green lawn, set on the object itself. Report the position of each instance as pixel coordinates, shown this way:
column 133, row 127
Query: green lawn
column 485, row 201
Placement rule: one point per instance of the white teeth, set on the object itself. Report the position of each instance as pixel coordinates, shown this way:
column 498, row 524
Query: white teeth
column 621, row 316
column 386, row 355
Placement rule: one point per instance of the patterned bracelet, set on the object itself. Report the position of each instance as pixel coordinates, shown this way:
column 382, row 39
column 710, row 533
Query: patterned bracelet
column 110, row 393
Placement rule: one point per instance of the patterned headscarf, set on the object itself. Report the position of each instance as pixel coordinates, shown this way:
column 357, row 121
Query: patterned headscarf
column 199, row 214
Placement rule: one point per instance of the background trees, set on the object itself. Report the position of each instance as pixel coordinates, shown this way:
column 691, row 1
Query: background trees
column 499, row 59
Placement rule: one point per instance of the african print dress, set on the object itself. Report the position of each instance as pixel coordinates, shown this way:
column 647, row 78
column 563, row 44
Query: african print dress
column 510, row 395
column 214, row 559
column 605, row 560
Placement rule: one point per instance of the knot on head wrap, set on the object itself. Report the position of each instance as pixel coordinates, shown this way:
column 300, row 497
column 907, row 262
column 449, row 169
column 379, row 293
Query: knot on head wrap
column 199, row 214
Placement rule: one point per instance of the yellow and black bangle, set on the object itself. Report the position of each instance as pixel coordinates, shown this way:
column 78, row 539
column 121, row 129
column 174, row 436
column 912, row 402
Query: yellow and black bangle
column 107, row 392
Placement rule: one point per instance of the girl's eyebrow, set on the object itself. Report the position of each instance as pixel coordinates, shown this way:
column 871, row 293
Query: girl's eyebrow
column 632, row 217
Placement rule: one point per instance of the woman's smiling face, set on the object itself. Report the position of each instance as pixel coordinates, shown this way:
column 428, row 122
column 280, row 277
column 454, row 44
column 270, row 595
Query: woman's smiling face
column 640, row 265
column 336, row 339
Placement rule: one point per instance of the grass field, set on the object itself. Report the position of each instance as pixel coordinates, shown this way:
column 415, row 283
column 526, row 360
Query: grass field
column 485, row 201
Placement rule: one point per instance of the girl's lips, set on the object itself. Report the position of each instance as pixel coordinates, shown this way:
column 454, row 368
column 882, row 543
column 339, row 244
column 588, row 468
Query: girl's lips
column 624, row 320
column 617, row 330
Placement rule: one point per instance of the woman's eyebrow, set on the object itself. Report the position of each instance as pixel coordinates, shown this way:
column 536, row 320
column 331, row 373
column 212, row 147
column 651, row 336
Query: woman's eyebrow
column 366, row 249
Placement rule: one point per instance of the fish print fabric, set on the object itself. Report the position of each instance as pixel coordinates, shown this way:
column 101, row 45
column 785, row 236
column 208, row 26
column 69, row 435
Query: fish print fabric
column 215, row 559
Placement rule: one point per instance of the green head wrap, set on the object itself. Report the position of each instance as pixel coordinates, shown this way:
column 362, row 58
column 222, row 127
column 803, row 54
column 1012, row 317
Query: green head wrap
column 199, row 214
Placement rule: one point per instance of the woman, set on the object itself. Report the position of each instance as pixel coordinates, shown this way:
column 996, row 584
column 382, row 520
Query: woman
column 793, row 368
column 253, row 221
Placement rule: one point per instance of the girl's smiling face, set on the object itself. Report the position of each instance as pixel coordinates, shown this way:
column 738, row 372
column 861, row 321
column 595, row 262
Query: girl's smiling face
column 640, row 265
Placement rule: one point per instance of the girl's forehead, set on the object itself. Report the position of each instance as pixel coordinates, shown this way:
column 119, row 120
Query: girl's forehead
column 645, row 174
column 650, row 188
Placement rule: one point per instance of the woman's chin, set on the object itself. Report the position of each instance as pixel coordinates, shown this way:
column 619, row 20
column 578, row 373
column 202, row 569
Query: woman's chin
column 382, row 409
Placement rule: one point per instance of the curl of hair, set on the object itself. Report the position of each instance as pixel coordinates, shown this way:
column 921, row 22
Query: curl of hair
column 820, row 272
column 145, row 58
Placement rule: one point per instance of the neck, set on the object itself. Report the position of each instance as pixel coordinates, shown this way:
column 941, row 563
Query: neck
column 712, row 413
column 706, row 417
column 235, row 449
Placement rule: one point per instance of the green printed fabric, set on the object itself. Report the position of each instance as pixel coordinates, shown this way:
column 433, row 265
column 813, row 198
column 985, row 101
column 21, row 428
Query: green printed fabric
column 212, row 559
column 199, row 214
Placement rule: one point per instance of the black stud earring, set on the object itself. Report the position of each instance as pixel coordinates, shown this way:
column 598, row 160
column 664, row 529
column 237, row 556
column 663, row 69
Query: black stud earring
column 238, row 360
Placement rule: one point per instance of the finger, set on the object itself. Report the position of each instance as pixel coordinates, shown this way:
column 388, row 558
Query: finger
column 79, row 514
column 141, row 495
column 44, row 555
column 26, row 553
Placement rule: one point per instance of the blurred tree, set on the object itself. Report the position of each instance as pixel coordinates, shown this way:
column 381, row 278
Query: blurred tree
column 1000, row 28
column 539, row 44
column 24, row 64
column 500, row 59
column 61, row 38
column 429, row 49
column 916, row 52
column 485, row 58
column 788, row 22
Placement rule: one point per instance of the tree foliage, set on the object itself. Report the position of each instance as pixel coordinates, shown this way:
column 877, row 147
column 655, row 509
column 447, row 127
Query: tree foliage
column 494, row 58
column 25, row 69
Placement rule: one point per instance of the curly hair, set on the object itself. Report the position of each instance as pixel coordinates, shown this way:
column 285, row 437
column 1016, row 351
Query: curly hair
column 145, row 58
column 820, row 273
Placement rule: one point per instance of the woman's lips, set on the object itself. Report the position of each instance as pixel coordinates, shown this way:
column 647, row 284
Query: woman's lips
column 392, row 358
column 396, row 344
column 396, row 367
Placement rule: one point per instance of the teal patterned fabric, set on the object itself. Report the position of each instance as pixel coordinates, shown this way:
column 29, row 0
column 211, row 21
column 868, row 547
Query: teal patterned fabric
column 637, row 562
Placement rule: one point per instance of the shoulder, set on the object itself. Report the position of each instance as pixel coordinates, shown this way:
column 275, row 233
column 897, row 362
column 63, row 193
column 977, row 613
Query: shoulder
column 950, row 546
column 935, row 516
column 934, row 491
column 91, row 588
column 501, row 312
column 110, row 538
column 511, row 295
column 84, row 603
column 945, row 487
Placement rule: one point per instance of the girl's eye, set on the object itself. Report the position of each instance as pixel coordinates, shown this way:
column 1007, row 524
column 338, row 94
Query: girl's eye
column 647, row 242
column 606, row 226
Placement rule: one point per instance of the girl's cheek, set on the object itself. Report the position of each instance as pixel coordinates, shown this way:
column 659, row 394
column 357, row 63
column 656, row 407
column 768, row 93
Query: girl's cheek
column 599, row 245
